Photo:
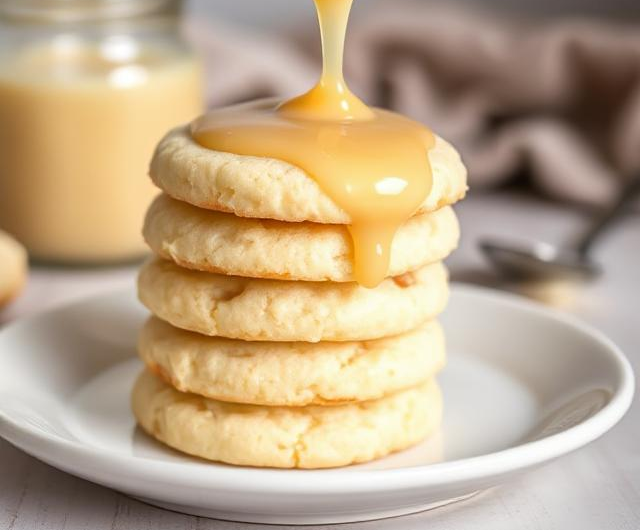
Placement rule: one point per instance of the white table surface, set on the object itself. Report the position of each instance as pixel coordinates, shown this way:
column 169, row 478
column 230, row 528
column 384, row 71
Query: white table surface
column 595, row 488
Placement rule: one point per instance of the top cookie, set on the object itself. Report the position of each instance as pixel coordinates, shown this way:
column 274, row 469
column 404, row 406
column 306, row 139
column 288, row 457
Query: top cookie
column 267, row 188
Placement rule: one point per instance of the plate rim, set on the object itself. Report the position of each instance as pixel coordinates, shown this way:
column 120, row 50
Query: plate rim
column 59, row 451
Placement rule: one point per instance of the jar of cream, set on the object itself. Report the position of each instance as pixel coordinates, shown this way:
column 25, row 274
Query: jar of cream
column 87, row 88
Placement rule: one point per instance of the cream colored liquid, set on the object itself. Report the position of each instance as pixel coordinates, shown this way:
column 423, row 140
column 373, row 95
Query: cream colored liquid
column 371, row 162
column 76, row 136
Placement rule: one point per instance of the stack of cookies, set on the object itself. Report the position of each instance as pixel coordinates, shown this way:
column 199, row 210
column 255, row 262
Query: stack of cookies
column 263, row 350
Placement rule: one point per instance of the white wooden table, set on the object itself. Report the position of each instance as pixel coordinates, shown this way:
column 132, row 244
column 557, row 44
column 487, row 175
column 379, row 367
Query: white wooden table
column 595, row 488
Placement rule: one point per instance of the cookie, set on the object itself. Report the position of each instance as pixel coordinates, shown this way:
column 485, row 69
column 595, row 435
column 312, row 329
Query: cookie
column 291, row 373
column 13, row 268
column 285, row 437
column 219, row 242
column 266, row 188
column 280, row 310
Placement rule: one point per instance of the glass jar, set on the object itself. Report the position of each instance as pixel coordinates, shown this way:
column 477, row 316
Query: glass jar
column 87, row 88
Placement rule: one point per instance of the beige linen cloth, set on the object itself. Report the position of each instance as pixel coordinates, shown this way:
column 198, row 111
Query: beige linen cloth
column 554, row 102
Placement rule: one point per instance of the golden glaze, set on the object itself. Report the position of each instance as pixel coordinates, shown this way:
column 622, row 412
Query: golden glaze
column 372, row 163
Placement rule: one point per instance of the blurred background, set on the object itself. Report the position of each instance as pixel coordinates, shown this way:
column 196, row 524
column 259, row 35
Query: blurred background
column 280, row 13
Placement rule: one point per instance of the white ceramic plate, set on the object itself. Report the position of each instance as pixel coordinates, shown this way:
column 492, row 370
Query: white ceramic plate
column 523, row 386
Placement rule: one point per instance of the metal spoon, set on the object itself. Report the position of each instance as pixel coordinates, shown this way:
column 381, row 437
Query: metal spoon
column 538, row 260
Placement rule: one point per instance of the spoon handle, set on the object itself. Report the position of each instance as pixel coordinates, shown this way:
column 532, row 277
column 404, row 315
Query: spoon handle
column 608, row 216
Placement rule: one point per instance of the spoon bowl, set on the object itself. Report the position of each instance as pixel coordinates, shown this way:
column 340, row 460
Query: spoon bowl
column 541, row 261
column 538, row 260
